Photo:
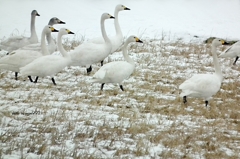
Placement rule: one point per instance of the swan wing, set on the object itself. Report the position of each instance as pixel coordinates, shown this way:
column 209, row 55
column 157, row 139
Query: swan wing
column 89, row 53
column 17, row 59
column 201, row 85
column 114, row 72
column 232, row 51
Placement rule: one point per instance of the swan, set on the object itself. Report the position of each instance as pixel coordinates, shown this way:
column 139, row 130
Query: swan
column 232, row 51
column 117, row 71
column 19, row 58
column 51, row 44
column 50, row 64
column 204, row 85
column 116, row 40
column 16, row 42
column 88, row 53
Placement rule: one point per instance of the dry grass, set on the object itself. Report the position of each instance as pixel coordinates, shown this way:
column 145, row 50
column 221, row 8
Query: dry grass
column 76, row 120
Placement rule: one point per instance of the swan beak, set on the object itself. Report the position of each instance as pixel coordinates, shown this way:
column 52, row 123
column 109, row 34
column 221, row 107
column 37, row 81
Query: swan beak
column 112, row 17
column 225, row 43
column 138, row 40
column 53, row 29
column 37, row 14
column 126, row 8
column 61, row 22
column 69, row 32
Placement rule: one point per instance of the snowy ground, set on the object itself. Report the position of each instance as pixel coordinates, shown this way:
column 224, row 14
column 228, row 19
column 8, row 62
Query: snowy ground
column 148, row 120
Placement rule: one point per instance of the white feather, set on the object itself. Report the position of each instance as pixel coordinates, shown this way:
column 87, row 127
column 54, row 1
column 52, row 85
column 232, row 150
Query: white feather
column 232, row 52
column 16, row 42
column 90, row 53
column 204, row 85
column 117, row 71
column 51, row 64
column 116, row 40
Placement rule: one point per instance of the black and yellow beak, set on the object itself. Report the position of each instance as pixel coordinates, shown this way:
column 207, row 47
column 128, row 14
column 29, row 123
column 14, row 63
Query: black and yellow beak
column 126, row 8
column 69, row 32
column 224, row 42
column 53, row 29
column 61, row 22
column 138, row 40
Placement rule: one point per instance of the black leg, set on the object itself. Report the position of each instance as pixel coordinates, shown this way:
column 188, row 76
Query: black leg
column 235, row 60
column 184, row 99
column 121, row 87
column 53, row 81
column 89, row 69
column 102, row 86
column 16, row 75
column 36, row 80
column 206, row 102
column 30, row 79
column 102, row 63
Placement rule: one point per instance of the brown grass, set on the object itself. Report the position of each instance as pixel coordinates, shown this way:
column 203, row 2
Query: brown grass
column 129, row 124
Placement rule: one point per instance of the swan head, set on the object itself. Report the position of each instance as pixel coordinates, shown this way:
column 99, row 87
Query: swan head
column 133, row 39
column 65, row 31
column 107, row 16
column 48, row 29
column 35, row 13
column 217, row 42
column 121, row 7
column 55, row 20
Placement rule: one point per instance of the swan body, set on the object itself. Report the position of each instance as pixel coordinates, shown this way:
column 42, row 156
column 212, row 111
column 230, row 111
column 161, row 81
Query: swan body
column 51, row 44
column 117, row 71
column 204, row 85
column 88, row 53
column 50, row 64
column 116, row 40
column 233, row 52
column 19, row 58
column 16, row 42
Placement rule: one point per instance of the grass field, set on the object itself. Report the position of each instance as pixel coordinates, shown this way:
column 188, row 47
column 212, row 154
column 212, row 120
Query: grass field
column 74, row 119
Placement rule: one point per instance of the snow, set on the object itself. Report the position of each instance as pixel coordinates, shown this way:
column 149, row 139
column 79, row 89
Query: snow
column 148, row 120
column 147, row 18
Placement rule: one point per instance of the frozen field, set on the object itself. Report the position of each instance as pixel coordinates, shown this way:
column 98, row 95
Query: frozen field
column 74, row 119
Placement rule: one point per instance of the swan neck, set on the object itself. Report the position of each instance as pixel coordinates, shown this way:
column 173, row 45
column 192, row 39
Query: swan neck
column 32, row 27
column 49, row 38
column 60, row 46
column 43, row 44
column 125, row 53
column 217, row 67
column 116, row 23
column 103, row 30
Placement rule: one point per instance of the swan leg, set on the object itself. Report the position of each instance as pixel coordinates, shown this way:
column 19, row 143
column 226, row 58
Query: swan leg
column 89, row 69
column 30, row 79
column 36, row 80
column 184, row 99
column 16, row 75
column 102, row 63
column 235, row 60
column 121, row 87
column 102, row 86
column 206, row 102
column 53, row 81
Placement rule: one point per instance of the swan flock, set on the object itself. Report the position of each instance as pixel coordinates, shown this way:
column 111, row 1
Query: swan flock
column 30, row 58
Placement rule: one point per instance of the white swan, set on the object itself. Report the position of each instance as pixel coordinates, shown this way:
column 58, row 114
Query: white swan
column 51, row 44
column 117, row 71
column 233, row 51
column 16, row 42
column 204, row 85
column 20, row 58
column 116, row 40
column 50, row 64
column 88, row 53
